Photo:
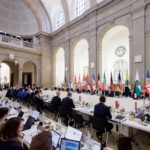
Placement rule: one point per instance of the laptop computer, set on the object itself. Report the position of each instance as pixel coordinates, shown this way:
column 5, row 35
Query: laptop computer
column 21, row 113
column 28, row 123
column 55, row 139
column 73, row 134
column 35, row 115
column 67, row 144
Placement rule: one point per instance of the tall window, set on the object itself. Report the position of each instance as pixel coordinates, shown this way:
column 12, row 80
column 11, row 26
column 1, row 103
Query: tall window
column 80, row 7
column 59, row 19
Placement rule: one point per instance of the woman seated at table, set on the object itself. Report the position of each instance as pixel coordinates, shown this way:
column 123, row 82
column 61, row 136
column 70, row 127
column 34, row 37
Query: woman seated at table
column 11, row 136
column 41, row 141
column 3, row 116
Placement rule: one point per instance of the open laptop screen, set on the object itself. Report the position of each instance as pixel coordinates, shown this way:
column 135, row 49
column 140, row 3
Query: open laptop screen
column 67, row 144
column 55, row 139
column 35, row 114
column 73, row 134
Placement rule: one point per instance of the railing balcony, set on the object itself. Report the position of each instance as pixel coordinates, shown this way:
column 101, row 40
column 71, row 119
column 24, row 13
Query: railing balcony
column 4, row 39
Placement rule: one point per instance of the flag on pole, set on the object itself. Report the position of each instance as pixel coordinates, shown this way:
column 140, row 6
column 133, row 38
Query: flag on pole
column 127, row 79
column 104, row 83
column 98, row 81
column 120, row 82
column 147, row 88
column 75, row 82
column 84, row 82
column 79, row 83
column 93, row 86
column 147, row 77
column 137, row 86
column 111, row 82
column 69, row 83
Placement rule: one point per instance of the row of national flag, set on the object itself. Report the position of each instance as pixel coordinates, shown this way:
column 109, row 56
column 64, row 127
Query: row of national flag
column 93, row 83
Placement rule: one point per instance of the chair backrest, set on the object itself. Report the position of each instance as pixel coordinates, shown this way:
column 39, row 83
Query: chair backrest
column 78, row 118
column 52, row 108
column 62, row 111
column 98, row 124
column 124, row 143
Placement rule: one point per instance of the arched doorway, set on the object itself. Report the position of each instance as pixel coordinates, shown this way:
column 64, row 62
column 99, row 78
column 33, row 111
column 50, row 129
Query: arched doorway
column 29, row 73
column 81, row 58
column 13, row 74
column 115, row 53
column 60, row 67
column 4, row 74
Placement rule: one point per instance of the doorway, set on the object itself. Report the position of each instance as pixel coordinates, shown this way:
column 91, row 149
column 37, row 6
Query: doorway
column 27, row 79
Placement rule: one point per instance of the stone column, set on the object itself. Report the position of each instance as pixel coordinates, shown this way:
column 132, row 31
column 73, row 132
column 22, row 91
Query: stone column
column 67, row 59
column 20, row 75
column 37, row 76
column 46, row 66
column 138, row 47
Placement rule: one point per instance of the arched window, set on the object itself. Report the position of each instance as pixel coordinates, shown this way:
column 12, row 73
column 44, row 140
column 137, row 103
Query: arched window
column 115, row 55
column 80, row 8
column 4, row 74
column 81, row 58
column 59, row 19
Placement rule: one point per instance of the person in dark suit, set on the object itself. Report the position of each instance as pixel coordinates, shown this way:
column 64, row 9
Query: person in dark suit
column 103, row 111
column 68, row 104
column 39, row 102
column 56, row 100
column 110, row 93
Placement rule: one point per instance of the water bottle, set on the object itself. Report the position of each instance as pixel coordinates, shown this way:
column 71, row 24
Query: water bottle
column 89, row 140
column 89, row 144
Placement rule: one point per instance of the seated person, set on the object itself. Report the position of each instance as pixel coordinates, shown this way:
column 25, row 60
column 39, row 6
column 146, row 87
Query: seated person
column 39, row 102
column 41, row 141
column 3, row 115
column 68, row 104
column 11, row 136
column 56, row 100
column 110, row 93
column 127, row 91
column 135, row 95
column 103, row 111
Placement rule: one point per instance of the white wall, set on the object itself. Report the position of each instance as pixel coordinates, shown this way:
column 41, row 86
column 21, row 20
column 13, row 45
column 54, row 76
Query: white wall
column 60, row 67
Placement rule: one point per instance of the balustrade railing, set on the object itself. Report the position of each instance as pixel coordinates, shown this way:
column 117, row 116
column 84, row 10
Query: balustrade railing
column 18, row 42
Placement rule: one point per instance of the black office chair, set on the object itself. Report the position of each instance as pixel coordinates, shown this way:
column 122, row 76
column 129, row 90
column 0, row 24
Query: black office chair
column 99, row 125
column 53, row 110
column 62, row 113
column 79, row 120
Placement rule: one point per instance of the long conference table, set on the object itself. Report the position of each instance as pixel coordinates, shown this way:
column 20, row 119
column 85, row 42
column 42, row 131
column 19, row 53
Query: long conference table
column 127, row 103
column 59, row 128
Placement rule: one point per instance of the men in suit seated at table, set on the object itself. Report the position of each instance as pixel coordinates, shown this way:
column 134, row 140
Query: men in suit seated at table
column 127, row 92
column 103, row 111
column 56, row 100
column 39, row 102
column 68, row 104
column 110, row 93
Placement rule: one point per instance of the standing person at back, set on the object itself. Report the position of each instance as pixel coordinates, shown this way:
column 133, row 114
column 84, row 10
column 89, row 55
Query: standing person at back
column 103, row 111
column 56, row 100
column 68, row 104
